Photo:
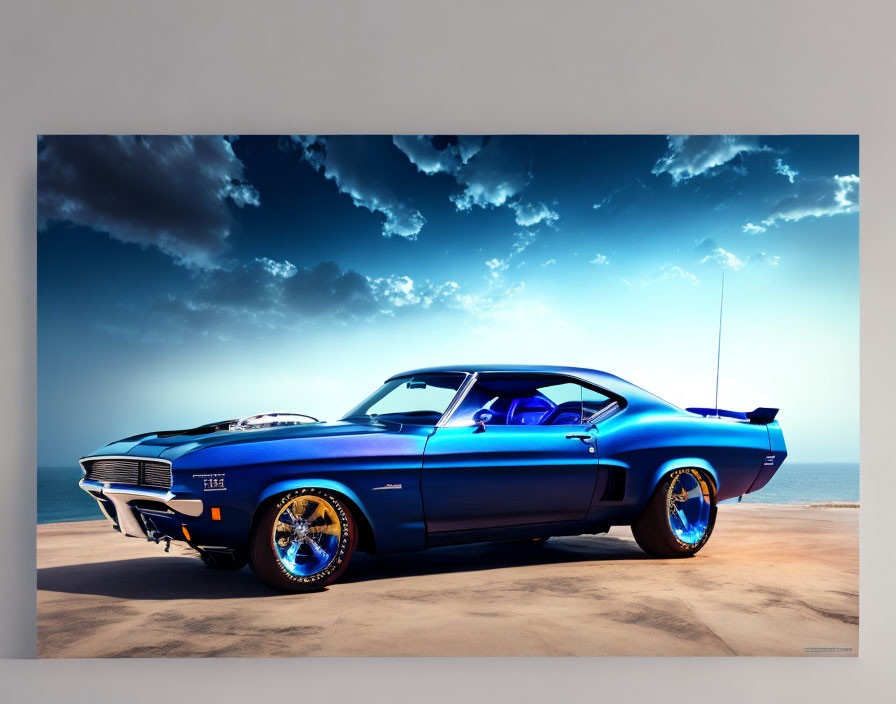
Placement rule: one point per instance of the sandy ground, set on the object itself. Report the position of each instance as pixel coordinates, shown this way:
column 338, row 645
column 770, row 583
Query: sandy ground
column 773, row 580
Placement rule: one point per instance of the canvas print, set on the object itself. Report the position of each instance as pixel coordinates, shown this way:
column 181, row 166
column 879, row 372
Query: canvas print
column 345, row 395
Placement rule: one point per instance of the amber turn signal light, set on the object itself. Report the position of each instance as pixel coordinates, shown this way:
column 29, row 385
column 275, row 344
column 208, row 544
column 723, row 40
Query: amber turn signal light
column 216, row 514
column 186, row 533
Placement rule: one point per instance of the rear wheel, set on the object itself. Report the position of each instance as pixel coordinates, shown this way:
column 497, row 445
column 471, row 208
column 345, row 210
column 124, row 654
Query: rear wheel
column 303, row 541
column 679, row 517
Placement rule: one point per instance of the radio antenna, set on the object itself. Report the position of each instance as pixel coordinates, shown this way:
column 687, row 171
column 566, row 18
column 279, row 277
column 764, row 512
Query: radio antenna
column 719, row 352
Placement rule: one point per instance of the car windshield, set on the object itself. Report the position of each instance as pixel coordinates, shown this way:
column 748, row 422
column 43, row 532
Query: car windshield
column 415, row 400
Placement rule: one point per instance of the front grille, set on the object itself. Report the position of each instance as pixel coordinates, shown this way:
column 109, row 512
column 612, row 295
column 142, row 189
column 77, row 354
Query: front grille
column 147, row 473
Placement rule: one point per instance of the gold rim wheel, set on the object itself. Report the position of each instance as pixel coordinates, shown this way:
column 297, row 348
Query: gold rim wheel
column 306, row 535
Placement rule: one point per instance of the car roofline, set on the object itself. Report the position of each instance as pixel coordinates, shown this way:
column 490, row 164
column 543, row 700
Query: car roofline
column 634, row 396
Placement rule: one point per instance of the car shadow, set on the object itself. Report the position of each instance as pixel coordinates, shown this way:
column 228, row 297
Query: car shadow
column 490, row 556
column 173, row 577
column 163, row 577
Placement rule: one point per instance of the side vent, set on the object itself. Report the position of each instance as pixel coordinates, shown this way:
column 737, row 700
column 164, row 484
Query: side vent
column 615, row 488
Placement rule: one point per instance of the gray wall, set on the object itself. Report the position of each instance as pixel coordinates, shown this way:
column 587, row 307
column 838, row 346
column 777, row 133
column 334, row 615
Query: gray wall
column 463, row 66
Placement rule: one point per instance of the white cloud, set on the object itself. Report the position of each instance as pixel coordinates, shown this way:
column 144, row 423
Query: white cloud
column 762, row 257
column 496, row 266
column 816, row 198
column 668, row 271
column 348, row 162
column 785, row 170
column 402, row 292
column 284, row 269
column 529, row 214
column 752, row 229
column 691, row 156
column 549, row 262
column 397, row 290
column 729, row 260
column 522, row 240
column 489, row 304
column 600, row 259
column 241, row 193
column 724, row 258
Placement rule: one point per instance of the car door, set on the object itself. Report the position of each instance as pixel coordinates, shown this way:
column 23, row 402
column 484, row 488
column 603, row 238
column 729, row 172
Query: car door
column 479, row 476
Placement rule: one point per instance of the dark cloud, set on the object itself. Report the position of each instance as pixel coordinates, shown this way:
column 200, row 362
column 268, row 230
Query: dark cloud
column 266, row 289
column 266, row 294
column 240, row 299
column 326, row 290
column 166, row 192
column 439, row 154
column 356, row 168
column 491, row 170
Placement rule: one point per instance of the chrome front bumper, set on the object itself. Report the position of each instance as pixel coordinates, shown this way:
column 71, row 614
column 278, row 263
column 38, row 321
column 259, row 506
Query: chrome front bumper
column 121, row 497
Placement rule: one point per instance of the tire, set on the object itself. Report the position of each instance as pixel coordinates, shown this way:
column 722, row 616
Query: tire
column 679, row 517
column 303, row 541
column 224, row 561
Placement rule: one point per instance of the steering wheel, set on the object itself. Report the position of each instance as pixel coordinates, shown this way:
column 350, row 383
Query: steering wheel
column 529, row 411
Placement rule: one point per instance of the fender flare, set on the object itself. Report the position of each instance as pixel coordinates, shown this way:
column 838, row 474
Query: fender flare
column 281, row 487
column 684, row 463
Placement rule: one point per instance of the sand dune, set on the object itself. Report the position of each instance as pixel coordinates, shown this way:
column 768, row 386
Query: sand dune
column 773, row 580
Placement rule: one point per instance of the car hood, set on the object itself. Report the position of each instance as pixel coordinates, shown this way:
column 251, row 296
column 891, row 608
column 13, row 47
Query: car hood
column 168, row 445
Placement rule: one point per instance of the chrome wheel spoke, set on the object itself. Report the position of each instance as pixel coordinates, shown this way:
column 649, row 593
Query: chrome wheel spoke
column 695, row 492
column 325, row 529
column 318, row 551
column 291, row 552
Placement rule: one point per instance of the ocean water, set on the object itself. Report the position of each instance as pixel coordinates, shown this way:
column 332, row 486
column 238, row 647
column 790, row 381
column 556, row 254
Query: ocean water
column 59, row 499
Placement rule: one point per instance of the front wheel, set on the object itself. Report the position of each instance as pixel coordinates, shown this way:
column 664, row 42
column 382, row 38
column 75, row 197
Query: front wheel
column 679, row 517
column 303, row 541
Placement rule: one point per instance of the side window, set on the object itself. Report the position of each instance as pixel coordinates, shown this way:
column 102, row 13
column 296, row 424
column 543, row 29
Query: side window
column 538, row 400
column 574, row 403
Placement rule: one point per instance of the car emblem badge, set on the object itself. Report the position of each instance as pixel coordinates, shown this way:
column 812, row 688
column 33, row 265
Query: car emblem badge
column 211, row 482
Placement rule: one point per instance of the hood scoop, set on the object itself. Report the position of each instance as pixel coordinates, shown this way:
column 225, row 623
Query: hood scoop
column 270, row 420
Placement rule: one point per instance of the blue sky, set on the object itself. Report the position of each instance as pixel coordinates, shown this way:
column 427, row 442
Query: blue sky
column 183, row 280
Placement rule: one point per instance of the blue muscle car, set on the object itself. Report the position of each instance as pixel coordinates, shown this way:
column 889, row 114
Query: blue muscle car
column 438, row 456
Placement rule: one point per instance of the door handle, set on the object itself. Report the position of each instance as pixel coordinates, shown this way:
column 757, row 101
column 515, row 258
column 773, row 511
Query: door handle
column 578, row 436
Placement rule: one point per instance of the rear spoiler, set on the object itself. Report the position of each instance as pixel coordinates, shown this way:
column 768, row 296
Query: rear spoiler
column 761, row 416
